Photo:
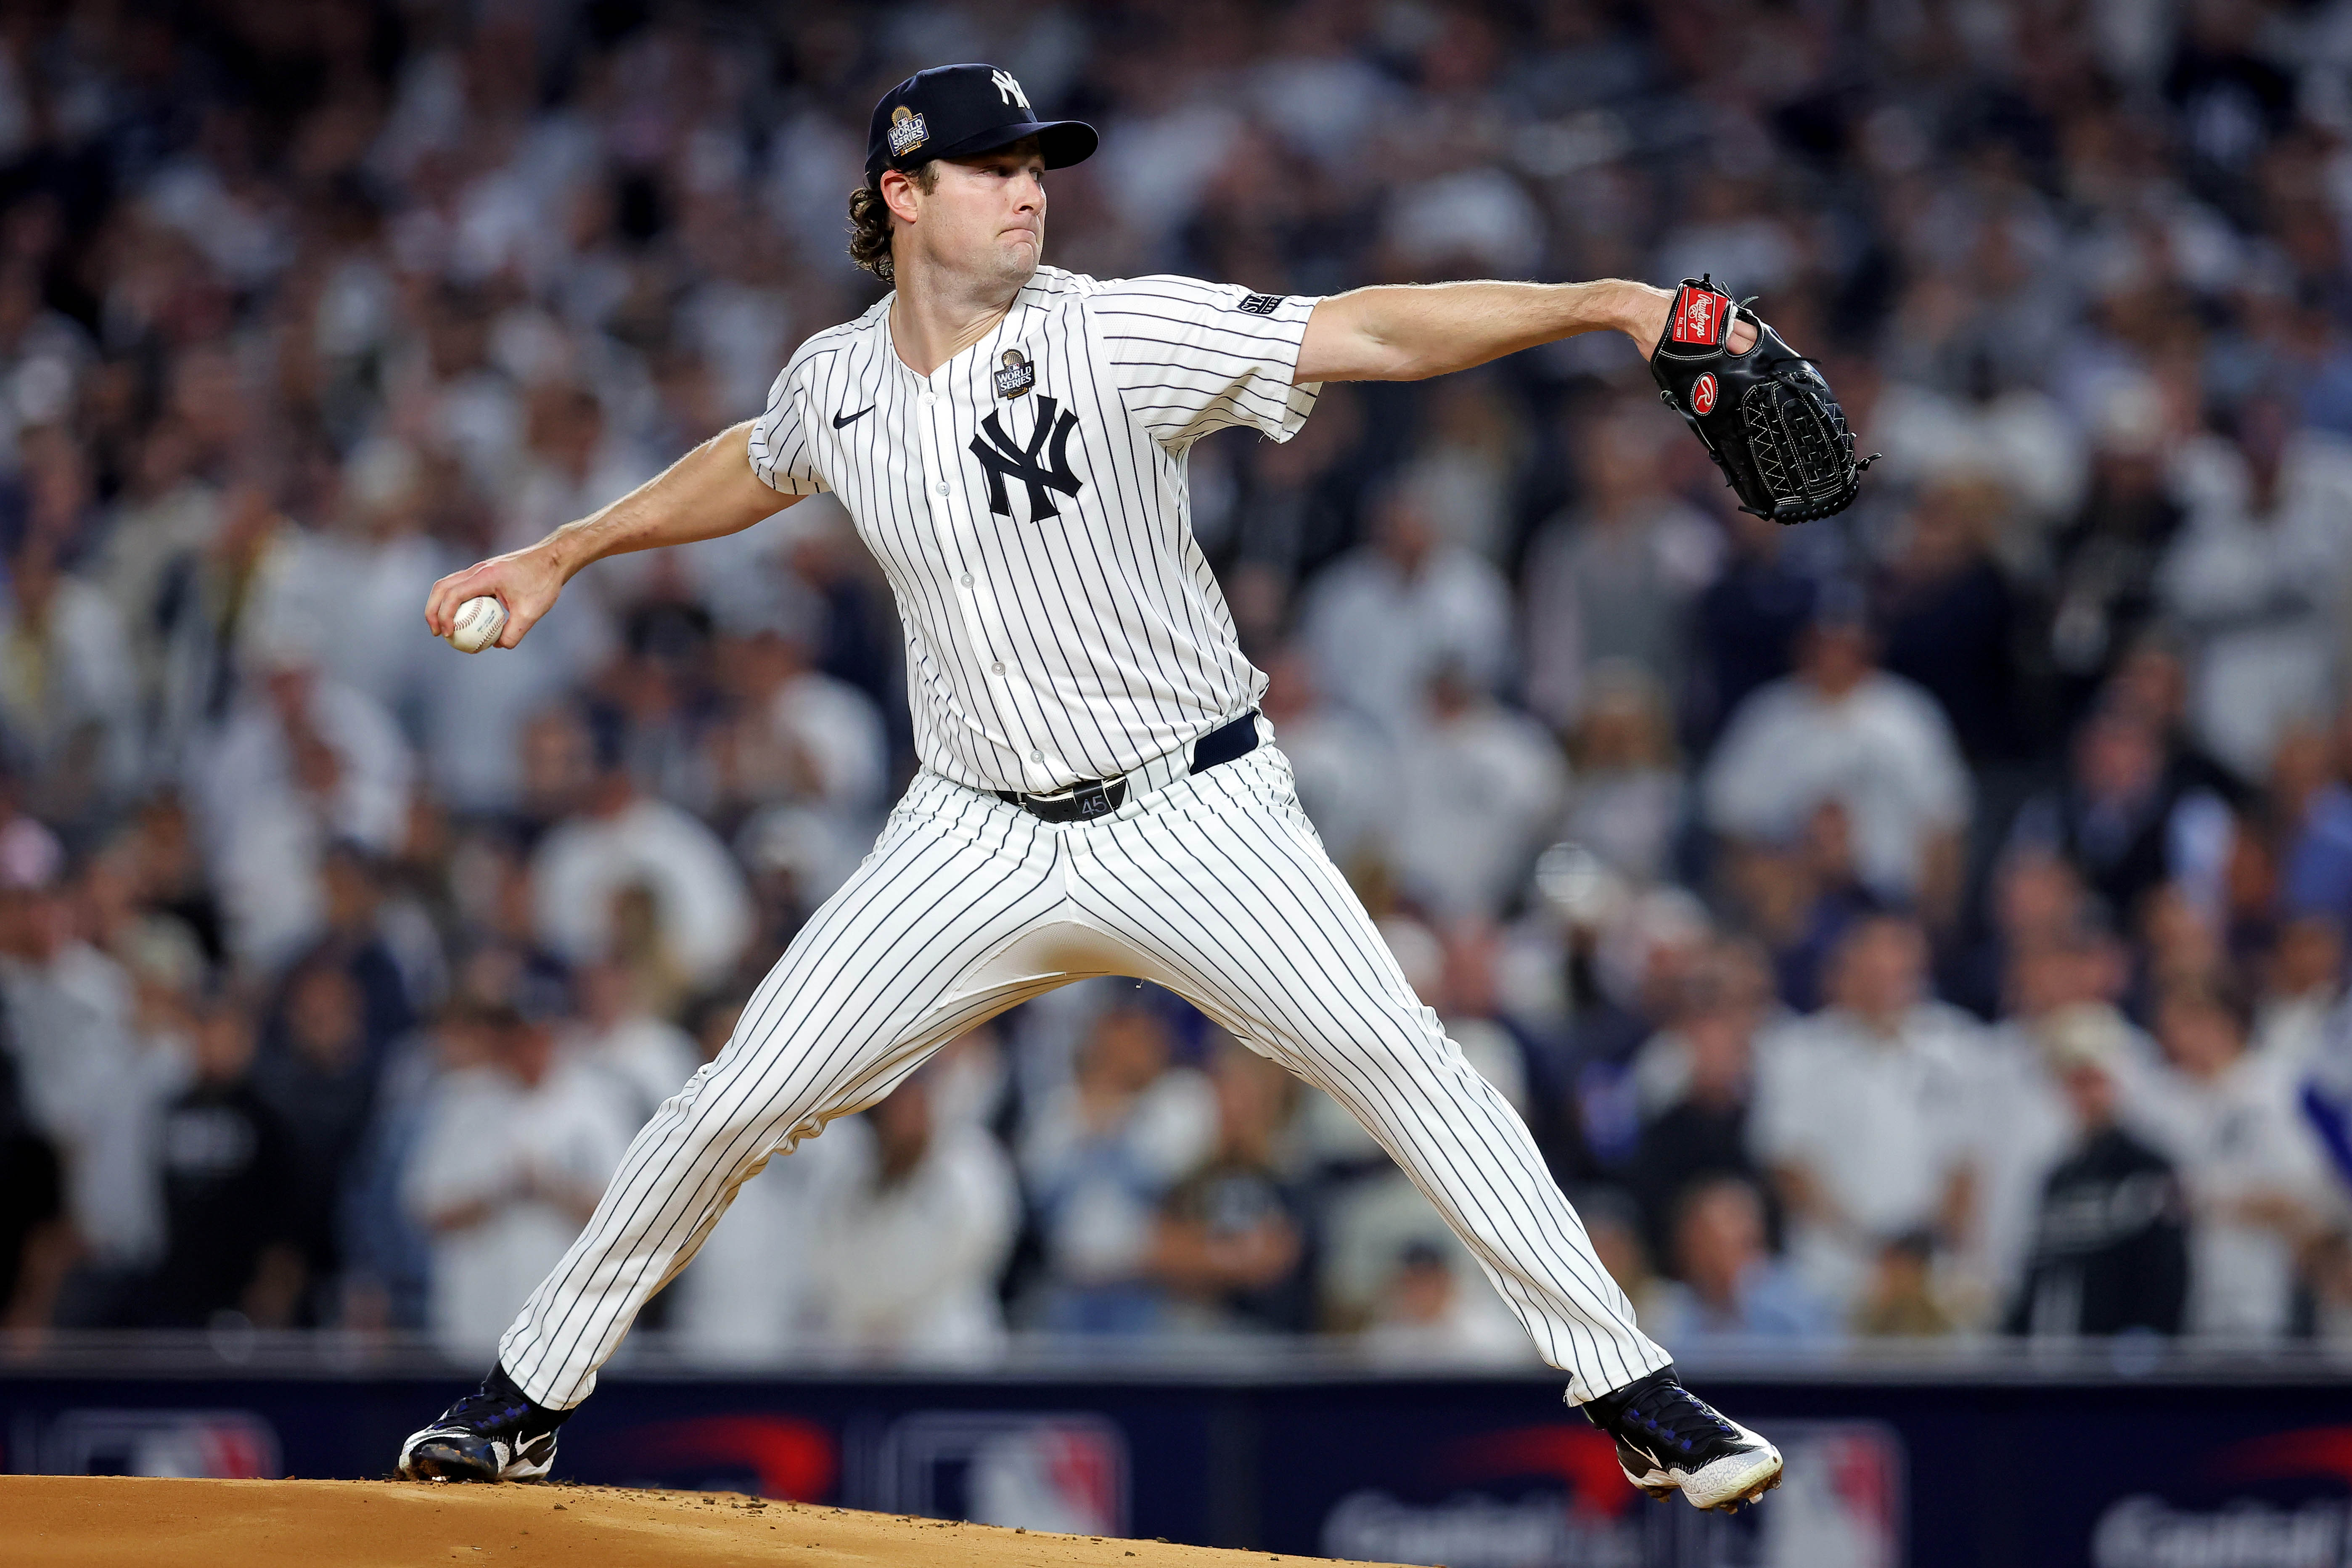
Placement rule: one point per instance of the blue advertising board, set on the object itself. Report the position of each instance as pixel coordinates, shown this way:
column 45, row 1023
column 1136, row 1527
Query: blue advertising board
column 1473, row 1473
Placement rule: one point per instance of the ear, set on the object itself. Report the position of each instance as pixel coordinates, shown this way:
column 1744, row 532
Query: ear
column 900, row 195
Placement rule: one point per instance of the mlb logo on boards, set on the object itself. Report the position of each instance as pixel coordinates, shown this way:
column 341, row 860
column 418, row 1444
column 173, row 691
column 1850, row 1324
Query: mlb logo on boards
column 1703, row 394
column 1064, row 1472
column 1699, row 318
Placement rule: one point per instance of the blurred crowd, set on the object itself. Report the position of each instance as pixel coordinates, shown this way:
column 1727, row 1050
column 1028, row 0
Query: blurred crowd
column 1930, row 923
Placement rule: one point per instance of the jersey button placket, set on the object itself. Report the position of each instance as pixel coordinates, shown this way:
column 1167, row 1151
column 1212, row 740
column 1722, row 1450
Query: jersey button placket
column 940, row 450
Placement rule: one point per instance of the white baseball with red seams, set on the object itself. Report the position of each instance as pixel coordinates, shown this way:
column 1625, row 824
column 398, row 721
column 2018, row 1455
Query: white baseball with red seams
column 477, row 625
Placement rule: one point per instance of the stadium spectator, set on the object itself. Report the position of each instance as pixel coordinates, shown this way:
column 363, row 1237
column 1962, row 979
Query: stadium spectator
column 1427, row 1317
column 317, row 1071
column 2254, row 1174
column 1340, row 761
column 94, row 1085
column 34, row 1242
column 2303, row 988
column 626, row 864
column 910, row 1225
column 1860, row 1112
column 2109, row 1252
column 231, row 1184
column 1746, row 625
column 1728, row 1291
column 1841, row 730
column 300, row 763
column 1097, row 1157
column 1611, row 581
column 1951, row 621
column 1479, row 785
column 2256, row 576
column 648, row 1057
column 1626, row 798
column 516, row 1148
column 2120, row 819
column 1230, row 1247
column 1380, row 623
column 1703, row 1131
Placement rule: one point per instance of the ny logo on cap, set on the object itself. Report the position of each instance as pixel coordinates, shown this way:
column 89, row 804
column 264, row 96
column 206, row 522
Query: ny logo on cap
column 1008, row 89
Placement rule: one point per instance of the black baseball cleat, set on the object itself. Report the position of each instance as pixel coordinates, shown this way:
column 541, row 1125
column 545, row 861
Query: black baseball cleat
column 1670, row 1440
column 495, row 1434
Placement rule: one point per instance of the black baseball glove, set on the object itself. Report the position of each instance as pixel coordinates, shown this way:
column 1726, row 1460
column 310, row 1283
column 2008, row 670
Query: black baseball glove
column 1766, row 416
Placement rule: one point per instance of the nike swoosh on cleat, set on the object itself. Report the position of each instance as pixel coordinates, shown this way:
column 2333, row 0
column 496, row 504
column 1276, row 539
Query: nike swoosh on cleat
column 841, row 419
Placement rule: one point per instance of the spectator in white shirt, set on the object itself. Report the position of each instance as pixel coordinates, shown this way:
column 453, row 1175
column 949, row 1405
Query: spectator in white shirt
column 804, row 756
column 304, row 761
column 621, row 843
column 1613, row 580
column 2257, row 576
column 1382, row 619
column 1860, row 1111
column 910, row 1227
column 516, row 1148
column 2255, row 1176
column 1842, row 729
column 648, row 1057
column 93, row 1085
column 2303, row 988
column 803, row 737
column 1481, row 789
column 1341, row 762
column 68, row 690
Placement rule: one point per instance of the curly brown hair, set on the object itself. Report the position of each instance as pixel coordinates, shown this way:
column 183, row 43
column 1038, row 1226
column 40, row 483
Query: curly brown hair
column 869, row 221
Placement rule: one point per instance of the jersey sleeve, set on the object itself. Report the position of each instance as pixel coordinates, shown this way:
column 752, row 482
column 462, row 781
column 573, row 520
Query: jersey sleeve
column 781, row 454
column 1193, row 357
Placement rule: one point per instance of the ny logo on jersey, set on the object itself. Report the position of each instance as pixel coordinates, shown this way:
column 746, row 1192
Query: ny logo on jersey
column 1005, row 461
column 1008, row 89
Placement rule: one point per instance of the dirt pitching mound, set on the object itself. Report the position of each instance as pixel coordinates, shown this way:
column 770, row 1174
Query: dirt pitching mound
column 115, row 1522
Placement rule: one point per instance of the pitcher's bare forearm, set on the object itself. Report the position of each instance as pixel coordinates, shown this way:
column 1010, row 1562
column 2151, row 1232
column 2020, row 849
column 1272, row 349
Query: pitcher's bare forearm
column 708, row 494
column 1413, row 331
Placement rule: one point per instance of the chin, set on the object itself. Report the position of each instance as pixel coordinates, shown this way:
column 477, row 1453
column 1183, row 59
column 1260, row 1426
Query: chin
column 1018, row 263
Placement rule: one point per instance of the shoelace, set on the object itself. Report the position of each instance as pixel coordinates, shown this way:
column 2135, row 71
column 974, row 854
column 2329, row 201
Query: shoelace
column 1673, row 1418
column 481, row 1412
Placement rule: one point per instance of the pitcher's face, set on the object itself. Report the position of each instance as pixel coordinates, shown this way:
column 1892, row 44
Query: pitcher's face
column 983, row 216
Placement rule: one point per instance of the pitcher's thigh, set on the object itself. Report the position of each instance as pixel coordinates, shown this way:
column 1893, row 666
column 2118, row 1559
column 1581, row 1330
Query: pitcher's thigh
column 880, row 975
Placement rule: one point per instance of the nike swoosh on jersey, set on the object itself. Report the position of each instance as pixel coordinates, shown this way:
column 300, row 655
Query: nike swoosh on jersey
column 841, row 419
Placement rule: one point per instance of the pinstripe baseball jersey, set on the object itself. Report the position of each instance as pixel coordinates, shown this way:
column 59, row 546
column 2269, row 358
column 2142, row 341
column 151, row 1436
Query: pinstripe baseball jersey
column 1027, row 501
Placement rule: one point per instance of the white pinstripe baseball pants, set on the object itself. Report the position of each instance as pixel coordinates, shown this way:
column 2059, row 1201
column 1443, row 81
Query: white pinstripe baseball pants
column 1216, row 888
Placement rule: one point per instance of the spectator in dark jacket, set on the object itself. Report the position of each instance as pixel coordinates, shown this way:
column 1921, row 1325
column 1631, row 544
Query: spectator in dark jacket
column 2111, row 1248
column 226, row 1174
column 1703, row 1135
column 32, row 1199
column 316, row 1073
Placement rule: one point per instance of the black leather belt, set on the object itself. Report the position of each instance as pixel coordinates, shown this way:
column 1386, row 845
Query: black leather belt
column 1099, row 797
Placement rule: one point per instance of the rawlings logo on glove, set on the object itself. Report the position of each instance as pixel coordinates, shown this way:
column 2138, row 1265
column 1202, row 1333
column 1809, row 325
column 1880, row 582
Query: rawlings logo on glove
column 1766, row 416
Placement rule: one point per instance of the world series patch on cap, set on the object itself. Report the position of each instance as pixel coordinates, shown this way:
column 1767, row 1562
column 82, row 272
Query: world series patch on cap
column 961, row 111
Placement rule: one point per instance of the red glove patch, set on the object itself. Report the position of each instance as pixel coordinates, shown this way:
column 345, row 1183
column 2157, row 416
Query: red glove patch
column 1699, row 317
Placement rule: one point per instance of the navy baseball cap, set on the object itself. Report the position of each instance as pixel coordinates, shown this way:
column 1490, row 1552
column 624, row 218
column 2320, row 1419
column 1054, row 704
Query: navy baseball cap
column 960, row 111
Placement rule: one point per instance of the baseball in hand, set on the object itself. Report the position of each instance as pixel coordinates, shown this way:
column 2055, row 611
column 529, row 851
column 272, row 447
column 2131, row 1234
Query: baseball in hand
column 478, row 626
